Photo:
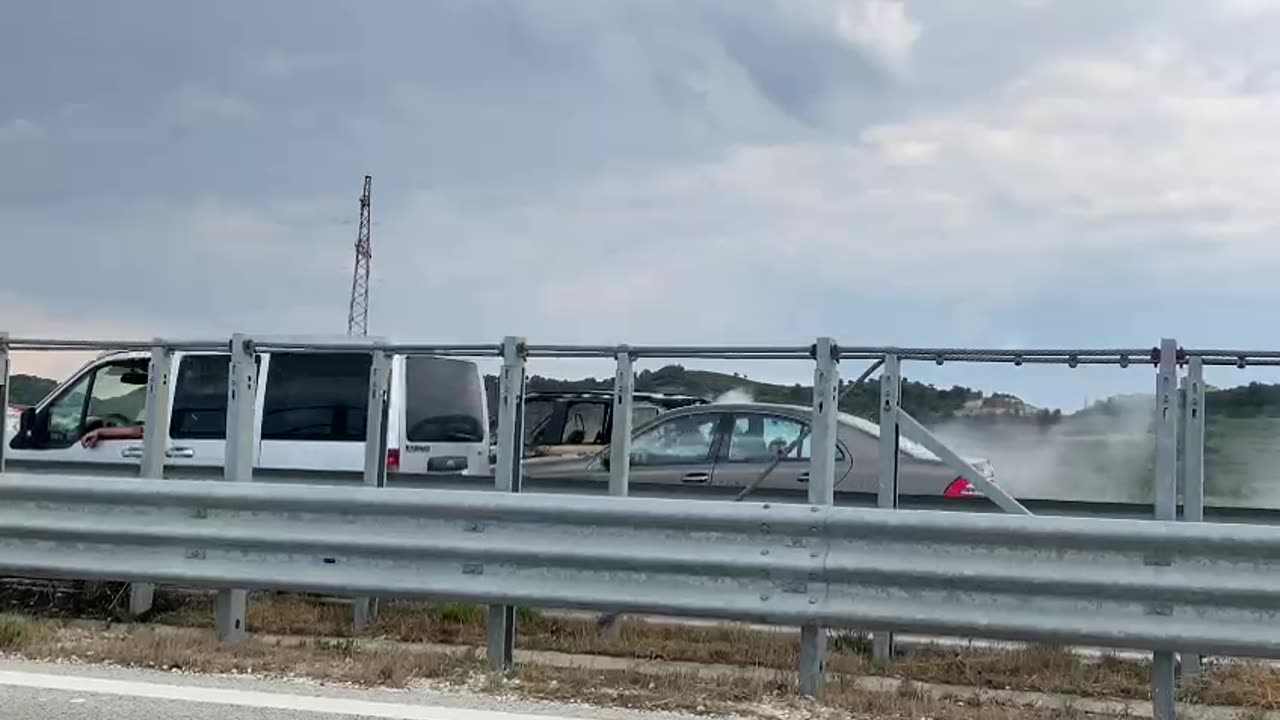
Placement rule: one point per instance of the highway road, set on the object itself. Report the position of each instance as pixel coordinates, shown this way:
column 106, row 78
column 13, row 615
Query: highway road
column 44, row 691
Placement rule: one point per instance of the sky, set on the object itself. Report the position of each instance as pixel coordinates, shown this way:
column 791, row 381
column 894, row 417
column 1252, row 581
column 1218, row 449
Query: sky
column 1017, row 173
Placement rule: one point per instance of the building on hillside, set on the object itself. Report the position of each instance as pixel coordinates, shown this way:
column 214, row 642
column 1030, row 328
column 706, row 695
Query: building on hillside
column 997, row 405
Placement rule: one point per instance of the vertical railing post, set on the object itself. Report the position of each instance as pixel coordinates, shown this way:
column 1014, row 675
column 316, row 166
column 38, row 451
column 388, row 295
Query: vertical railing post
column 4, row 396
column 155, row 446
column 887, row 492
column 1166, row 509
column 508, row 478
column 1193, row 469
column 624, row 387
column 822, row 478
column 242, row 391
column 365, row 609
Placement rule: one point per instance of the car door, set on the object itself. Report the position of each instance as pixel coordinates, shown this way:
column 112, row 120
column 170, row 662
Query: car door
column 109, row 393
column 755, row 439
column 678, row 451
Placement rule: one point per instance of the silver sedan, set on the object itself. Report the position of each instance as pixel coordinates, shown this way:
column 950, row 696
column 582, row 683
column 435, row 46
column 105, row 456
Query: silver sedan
column 731, row 446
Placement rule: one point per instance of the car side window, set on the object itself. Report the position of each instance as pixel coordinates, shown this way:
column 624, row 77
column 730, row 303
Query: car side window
column 762, row 438
column 641, row 414
column 684, row 439
column 538, row 415
column 111, row 395
column 584, row 424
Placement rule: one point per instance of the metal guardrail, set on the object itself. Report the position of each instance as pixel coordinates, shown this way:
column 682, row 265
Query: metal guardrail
column 826, row 354
column 1146, row 585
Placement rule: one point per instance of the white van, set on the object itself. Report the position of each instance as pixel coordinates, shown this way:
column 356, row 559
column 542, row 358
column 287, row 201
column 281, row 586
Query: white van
column 310, row 414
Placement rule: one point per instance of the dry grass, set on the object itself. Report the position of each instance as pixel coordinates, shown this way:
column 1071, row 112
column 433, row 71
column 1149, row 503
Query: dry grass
column 1252, row 685
column 760, row 697
column 18, row 632
column 464, row 624
column 1037, row 669
column 350, row 661
column 1040, row 669
column 198, row 651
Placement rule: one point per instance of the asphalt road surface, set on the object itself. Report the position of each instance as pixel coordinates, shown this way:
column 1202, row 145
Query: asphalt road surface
column 43, row 691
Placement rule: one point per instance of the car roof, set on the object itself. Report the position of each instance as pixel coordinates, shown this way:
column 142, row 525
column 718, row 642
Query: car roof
column 747, row 407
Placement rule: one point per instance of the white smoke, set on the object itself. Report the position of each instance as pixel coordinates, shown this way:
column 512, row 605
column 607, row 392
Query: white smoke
column 736, row 395
column 1098, row 457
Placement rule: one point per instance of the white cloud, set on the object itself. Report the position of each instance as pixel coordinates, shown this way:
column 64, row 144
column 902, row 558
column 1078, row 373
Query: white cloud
column 882, row 29
column 190, row 108
column 21, row 130
column 1126, row 149
column 285, row 65
column 1248, row 9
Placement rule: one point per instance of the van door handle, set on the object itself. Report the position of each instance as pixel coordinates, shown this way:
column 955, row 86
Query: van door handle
column 696, row 478
column 802, row 477
column 180, row 452
column 131, row 451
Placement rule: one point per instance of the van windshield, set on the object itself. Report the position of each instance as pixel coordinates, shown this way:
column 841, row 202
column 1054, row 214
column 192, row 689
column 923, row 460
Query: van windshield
column 444, row 400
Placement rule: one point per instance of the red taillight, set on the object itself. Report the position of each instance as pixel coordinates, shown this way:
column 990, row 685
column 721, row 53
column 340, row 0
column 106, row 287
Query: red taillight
column 393, row 458
column 959, row 488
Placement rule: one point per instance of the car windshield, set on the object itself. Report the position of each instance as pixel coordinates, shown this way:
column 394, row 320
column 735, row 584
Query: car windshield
column 444, row 400
column 910, row 447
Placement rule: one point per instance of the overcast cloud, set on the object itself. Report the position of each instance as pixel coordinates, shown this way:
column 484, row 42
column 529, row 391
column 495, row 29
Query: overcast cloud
column 887, row 172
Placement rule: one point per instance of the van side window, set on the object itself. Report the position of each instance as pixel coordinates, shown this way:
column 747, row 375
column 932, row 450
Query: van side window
column 316, row 396
column 111, row 395
column 200, row 399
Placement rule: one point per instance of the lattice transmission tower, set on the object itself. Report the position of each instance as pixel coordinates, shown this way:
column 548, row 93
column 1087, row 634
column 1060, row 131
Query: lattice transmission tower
column 358, row 315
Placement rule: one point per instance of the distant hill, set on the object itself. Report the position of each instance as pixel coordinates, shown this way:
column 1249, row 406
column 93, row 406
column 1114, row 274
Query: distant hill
column 29, row 389
column 926, row 402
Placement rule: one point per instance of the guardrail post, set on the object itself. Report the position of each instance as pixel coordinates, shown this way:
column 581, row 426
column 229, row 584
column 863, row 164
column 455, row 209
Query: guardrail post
column 822, row 480
column 365, row 609
column 155, row 443
column 242, row 391
column 508, row 477
column 1166, row 509
column 4, row 396
column 887, row 493
column 1193, row 470
column 624, row 387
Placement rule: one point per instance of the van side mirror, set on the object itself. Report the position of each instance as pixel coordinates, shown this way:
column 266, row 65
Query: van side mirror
column 26, row 428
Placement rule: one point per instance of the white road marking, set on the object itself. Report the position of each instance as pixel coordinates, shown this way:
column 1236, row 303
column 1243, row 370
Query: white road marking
column 255, row 699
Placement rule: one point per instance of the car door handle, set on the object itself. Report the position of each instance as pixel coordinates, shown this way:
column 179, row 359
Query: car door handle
column 802, row 477
column 135, row 451
column 697, row 478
